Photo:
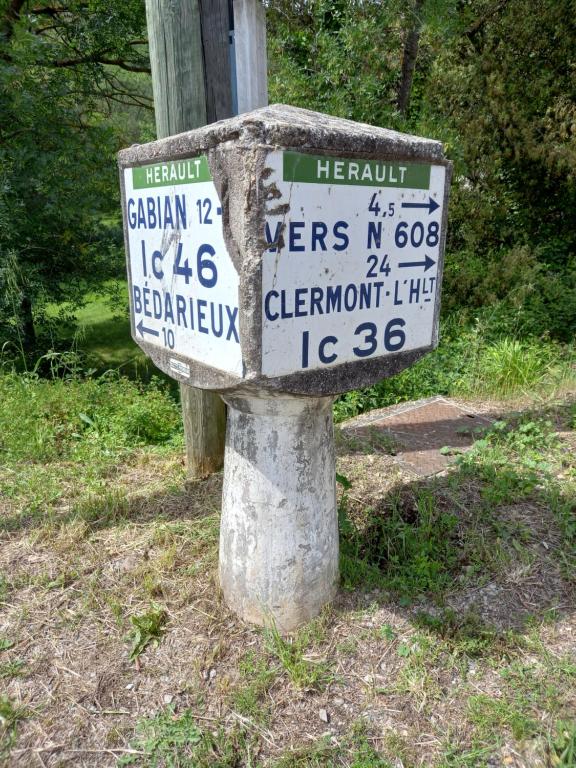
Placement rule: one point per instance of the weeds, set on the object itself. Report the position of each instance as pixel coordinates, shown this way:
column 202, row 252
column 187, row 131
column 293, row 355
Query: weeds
column 147, row 629
column 303, row 672
column 473, row 361
column 257, row 677
column 10, row 716
column 407, row 547
column 353, row 751
column 512, row 366
column 74, row 418
column 468, row 635
column 11, row 669
column 77, row 431
column 493, row 716
column 562, row 748
column 172, row 740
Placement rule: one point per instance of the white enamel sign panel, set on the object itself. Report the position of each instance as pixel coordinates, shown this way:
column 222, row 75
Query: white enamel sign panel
column 352, row 268
column 184, row 286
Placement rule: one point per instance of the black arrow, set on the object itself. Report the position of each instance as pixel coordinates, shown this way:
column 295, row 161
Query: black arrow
column 141, row 328
column 427, row 263
column 432, row 205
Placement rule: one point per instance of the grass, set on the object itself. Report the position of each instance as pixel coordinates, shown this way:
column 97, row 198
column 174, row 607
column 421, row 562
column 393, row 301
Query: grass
column 100, row 331
column 562, row 746
column 303, row 672
column 471, row 361
column 451, row 644
column 468, row 636
column 354, row 751
column 107, row 558
column 257, row 676
column 172, row 740
column 10, row 717
column 409, row 547
column 175, row 740
column 77, row 430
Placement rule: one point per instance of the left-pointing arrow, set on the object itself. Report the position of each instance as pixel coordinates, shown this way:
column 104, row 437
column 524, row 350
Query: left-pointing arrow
column 427, row 263
column 141, row 328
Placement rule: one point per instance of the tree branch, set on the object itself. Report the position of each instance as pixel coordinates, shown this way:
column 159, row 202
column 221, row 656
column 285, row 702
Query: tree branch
column 475, row 28
column 48, row 11
column 100, row 59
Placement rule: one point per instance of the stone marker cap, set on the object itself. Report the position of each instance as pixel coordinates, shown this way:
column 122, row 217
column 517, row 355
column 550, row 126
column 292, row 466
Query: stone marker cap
column 285, row 250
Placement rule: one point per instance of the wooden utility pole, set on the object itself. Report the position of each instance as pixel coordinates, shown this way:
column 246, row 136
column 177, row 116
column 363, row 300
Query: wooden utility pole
column 192, row 79
column 190, row 62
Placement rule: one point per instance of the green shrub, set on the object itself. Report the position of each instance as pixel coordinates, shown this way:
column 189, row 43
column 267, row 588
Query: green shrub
column 511, row 366
column 410, row 547
column 473, row 359
column 45, row 420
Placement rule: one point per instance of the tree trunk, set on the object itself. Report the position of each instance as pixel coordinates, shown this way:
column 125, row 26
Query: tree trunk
column 409, row 57
column 26, row 321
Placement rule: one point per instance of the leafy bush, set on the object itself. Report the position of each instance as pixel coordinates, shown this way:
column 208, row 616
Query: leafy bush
column 410, row 547
column 472, row 359
column 510, row 366
column 69, row 419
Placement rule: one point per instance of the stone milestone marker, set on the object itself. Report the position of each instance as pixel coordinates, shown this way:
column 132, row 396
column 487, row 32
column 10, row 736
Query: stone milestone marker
column 280, row 258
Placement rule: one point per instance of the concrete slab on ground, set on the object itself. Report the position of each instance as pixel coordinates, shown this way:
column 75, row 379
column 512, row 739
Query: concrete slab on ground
column 418, row 431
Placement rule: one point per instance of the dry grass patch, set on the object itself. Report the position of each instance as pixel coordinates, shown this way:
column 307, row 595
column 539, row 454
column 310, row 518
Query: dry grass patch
column 458, row 653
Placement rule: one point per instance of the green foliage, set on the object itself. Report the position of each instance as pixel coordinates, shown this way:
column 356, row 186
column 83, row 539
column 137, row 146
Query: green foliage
column 59, row 204
column 63, row 437
column 73, row 418
column 563, row 746
column 468, row 635
column 147, row 629
column 510, row 238
column 510, row 460
column 472, row 360
column 408, row 547
column 174, row 740
column 336, row 57
column 10, row 716
column 491, row 715
column 510, row 366
column 354, row 751
column 9, row 669
column 511, row 241
column 258, row 676
column 291, row 653
column 521, row 461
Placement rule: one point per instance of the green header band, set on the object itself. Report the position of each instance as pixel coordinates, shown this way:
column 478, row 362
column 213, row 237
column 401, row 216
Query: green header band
column 189, row 171
column 322, row 169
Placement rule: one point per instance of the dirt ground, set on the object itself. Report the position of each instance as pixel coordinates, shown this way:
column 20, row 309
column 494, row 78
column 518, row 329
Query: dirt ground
column 73, row 584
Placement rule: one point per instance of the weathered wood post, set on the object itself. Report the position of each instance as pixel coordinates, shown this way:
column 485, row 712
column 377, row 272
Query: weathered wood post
column 280, row 258
column 194, row 83
column 191, row 78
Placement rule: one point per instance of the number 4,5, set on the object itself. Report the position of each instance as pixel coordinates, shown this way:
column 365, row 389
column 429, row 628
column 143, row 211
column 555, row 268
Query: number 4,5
column 374, row 207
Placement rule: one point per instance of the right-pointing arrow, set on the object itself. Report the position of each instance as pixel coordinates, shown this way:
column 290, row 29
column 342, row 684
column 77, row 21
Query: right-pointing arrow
column 432, row 205
column 427, row 263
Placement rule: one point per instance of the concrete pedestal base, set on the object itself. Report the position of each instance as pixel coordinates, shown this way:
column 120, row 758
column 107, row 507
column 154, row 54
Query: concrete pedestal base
column 279, row 529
